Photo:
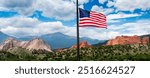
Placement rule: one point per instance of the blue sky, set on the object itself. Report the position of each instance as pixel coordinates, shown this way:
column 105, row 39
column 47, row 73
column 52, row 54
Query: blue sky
column 39, row 17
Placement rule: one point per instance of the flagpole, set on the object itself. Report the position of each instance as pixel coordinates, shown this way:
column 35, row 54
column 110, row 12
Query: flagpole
column 78, row 38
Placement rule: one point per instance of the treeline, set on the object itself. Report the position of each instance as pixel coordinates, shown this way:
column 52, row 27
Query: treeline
column 138, row 52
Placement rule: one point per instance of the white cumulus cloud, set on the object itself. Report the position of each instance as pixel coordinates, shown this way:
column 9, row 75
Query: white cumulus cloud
column 24, row 7
column 58, row 9
column 131, row 5
column 110, row 3
column 102, row 10
column 24, row 26
column 102, row 1
column 121, row 15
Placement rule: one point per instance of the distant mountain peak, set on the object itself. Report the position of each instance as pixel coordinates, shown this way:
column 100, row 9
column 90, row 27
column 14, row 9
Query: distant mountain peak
column 55, row 34
column 3, row 36
column 36, row 39
column 58, row 33
column 1, row 32
column 10, row 39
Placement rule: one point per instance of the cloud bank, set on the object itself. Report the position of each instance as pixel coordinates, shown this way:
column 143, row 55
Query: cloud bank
column 64, row 10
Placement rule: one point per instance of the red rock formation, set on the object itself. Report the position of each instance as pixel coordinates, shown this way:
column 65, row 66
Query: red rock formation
column 145, row 40
column 83, row 44
column 128, row 40
column 61, row 50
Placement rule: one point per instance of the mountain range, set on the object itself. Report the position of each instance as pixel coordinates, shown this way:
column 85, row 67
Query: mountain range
column 3, row 37
column 60, row 41
column 56, row 40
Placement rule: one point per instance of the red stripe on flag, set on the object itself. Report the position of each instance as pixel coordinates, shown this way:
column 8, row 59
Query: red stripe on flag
column 92, row 25
column 90, row 22
column 90, row 19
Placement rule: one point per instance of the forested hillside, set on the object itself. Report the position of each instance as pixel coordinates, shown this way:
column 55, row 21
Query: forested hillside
column 138, row 52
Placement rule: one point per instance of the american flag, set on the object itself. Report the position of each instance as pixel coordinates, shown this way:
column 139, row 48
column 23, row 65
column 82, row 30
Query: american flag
column 92, row 19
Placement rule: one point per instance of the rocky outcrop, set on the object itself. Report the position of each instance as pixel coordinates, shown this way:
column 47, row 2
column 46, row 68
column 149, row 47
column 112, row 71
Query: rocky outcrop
column 145, row 40
column 35, row 44
column 83, row 44
column 61, row 50
column 11, row 43
column 128, row 40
